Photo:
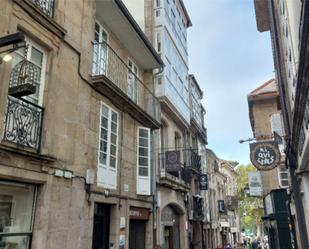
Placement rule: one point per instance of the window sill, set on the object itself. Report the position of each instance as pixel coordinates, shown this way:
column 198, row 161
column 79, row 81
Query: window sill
column 6, row 146
column 41, row 18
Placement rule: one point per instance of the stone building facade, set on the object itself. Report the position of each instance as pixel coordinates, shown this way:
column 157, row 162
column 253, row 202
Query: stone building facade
column 76, row 160
column 266, row 118
column 182, row 134
column 288, row 24
column 223, row 225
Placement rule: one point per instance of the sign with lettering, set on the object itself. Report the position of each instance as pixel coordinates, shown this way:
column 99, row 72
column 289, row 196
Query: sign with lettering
column 172, row 161
column 138, row 213
column 264, row 155
column 203, row 182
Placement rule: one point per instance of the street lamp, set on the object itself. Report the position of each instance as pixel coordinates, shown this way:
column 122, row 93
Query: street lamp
column 16, row 39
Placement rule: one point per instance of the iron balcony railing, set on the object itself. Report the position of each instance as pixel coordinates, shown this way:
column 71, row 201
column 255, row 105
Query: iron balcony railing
column 108, row 63
column 179, row 162
column 23, row 123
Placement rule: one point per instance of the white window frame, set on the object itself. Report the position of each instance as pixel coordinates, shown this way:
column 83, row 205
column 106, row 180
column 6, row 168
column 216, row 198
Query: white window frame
column 107, row 166
column 98, row 63
column 32, row 44
column 285, row 171
column 139, row 178
column 136, row 75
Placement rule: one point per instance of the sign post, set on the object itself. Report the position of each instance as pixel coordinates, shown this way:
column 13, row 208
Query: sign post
column 265, row 155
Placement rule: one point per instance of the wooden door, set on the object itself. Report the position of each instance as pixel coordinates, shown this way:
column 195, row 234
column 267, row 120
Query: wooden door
column 137, row 234
column 101, row 223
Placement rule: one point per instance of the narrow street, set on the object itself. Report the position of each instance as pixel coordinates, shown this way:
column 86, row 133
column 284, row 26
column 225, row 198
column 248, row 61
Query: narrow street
column 154, row 124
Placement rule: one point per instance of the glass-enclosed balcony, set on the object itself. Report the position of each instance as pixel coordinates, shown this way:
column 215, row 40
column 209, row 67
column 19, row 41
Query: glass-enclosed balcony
column 168, row 90
column 196, row 113
column 112, row 76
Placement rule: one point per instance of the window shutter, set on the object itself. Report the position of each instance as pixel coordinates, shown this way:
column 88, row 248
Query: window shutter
column 143, row 161
column 108, row 148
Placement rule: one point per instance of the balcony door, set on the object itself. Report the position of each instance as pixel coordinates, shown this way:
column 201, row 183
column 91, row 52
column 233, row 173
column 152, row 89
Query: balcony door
column 100, row 50
column 132, row 80
column 108, row 148
column 36, row 54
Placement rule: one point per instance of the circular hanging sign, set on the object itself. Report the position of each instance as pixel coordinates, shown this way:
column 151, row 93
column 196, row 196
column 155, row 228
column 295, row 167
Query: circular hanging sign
column 265, row 155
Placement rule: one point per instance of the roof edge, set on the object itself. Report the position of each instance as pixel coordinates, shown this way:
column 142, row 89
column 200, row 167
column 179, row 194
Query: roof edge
column 189, row 23
column 139, row 31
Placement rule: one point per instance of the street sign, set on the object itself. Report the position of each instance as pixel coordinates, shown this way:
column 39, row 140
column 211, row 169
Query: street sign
column 172, row 161
column 264, row 155
column 203, row 182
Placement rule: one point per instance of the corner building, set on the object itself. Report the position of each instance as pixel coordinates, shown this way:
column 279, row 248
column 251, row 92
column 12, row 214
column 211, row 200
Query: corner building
column 77, row 142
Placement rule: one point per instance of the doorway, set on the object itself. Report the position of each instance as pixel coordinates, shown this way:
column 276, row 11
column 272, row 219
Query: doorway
column 137, row 234
column 101, row 223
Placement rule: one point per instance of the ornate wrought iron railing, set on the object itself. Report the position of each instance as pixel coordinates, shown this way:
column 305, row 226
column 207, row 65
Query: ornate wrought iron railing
column 108, row 63
column 23, row 123
column 47, row 6
column 178, row 162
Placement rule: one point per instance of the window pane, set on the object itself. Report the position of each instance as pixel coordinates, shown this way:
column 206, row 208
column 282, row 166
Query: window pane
column 143, row 133
column 104, row 122
column 18, row 242
column 112, row 162
column 16, row 205
column 114, row 117
column 113, row 150
column 143, row 161
column 103, row 134
column 36, row 57
column 114, row 128
column 103, row 146
column 284, row 175
column 143, row 151
column 143, row 142
column 143, row 171
column 104, row 111
column 103, row 158
column 113, row 138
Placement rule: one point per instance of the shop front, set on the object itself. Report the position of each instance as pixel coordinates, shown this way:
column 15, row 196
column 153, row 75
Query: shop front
column 17, row 206
column 276, row 221
column 138, row 224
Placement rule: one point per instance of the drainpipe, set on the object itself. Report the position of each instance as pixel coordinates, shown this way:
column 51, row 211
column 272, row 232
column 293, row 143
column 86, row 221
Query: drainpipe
column 290, row 154
column 154, row 191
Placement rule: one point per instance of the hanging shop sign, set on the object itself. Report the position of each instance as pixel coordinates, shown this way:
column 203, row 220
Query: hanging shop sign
column 203, row 182
column 264, row 155
column 172, row 161
column 255, row 183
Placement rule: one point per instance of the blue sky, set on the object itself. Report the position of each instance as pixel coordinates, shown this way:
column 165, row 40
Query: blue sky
column 229, row 58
